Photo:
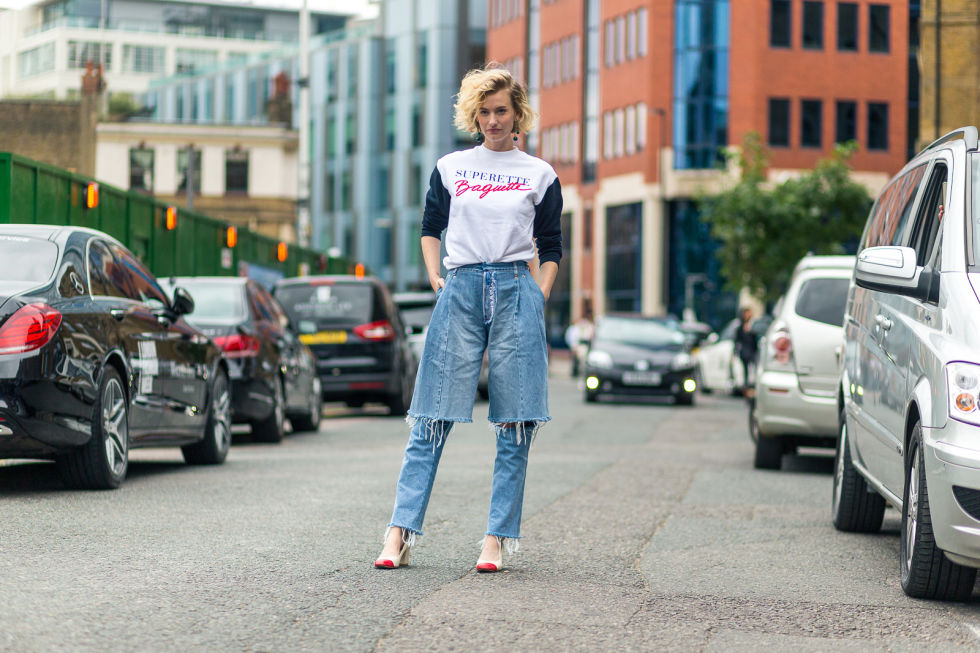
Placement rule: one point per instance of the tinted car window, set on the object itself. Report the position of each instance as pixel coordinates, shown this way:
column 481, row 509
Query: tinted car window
column 27, row 259
column 134, row 280
column 101, row 268
column 823, row 300
column 214, row 303
column 645, row 333
column 325, row 305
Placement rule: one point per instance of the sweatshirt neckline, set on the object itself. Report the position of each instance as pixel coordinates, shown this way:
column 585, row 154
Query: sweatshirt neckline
column 510, row 152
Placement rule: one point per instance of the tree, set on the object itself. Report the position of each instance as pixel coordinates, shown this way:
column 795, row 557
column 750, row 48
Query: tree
column 764, row 231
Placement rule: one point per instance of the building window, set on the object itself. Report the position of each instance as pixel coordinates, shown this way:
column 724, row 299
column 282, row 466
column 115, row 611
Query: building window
column 81, row 52
column 422, row 62
column 631, row 35
column 630, row 130
column 847, row 27
column 878, row 28
column 813, row 25
column 390, row 65
column 346, row 190
column 621, row 39
column 641, row 126
column 236, row 172
column 141, row 169
column 142, row 59
column 877, row 126
column 36, row 60
column 607, row 135
column 610, row 43
column 590, row 99
column 418, row 126
column 846, row 123
column 641, row 37
column 390, row 129
column 779, row 122
column 700, row 112
column 780, row 15
column 811, row 123
column 190, row 61
column 182, row 170
column 350, row 134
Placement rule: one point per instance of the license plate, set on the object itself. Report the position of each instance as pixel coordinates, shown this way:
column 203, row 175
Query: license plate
column 324, row 338
column 641, row 378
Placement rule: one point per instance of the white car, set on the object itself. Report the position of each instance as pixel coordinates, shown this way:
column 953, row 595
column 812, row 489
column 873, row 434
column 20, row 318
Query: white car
column 797, row 374
column 416, row 309
column 717, row 366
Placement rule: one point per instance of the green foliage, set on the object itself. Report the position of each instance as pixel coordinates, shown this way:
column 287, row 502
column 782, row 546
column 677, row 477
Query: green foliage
column 122, row 105
column 764, row 231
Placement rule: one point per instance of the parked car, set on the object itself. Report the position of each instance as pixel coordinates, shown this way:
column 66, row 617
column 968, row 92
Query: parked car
column 273, row 374
column 633, row 355
column 908, row 396
column 795, row 399
column 356, row 333
column 96, row 359
column 416, row 309
column 717, row 369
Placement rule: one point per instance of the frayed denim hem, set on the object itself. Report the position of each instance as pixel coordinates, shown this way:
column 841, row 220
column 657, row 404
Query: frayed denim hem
column 526, row 429
column 509, row 544
column 409, row 536
column 430, row 431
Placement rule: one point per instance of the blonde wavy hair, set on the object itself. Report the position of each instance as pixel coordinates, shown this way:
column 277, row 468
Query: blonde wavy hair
column 478, row 84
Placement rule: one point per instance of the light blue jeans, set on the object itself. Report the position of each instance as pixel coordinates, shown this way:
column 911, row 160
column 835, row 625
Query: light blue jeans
column 492, row 307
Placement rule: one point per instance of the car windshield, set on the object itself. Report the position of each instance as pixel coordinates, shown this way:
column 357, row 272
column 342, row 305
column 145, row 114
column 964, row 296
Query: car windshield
column 645, row 333
column 214, row 302
column 313, row 307
column 823, row 300
column 27, row 259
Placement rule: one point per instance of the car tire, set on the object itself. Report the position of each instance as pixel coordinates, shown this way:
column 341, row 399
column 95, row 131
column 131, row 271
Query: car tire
column 855, row 507
column 926, row 572
column 399, row 402
column 768, row 452
column 273, row 427
column 310, row 421
column 753, row 421
column 102, row 462
column 684, row 399
column 213, row 448
column 591, row 397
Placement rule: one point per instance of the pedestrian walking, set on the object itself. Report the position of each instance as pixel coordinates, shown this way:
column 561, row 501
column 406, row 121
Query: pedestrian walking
column 498, row 206
column 578, row 336
column 747, row 349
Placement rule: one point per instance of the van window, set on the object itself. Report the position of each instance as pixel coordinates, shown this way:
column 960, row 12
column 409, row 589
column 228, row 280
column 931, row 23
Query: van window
column 891, row 212
column 925, row 230
column 329, row 304
column 823, row 300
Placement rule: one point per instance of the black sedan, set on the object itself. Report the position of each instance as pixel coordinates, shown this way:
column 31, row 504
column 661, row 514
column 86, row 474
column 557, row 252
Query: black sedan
column 95, row 358
column 273, row 374
column 634, row 355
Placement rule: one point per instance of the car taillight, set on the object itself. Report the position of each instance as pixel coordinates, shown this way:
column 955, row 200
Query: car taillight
column 782, row 346
column 381, row 330
column 238, row 345
column 30, row 328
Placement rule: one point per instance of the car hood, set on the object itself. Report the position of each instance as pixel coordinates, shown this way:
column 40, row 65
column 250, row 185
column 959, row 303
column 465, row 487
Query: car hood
column 627, row 354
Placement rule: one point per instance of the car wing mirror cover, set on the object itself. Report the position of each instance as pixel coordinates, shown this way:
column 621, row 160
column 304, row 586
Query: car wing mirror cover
column 183, row 303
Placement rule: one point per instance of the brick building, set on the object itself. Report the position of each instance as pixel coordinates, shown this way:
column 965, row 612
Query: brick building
column 638, row 98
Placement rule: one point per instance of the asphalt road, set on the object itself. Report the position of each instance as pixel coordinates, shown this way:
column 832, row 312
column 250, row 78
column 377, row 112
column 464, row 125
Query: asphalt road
column 645, row 527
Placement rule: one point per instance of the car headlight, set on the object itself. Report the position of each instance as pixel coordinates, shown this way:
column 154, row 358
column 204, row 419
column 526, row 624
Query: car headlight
column 599, row 359
column 962, row 386
column 681, row 361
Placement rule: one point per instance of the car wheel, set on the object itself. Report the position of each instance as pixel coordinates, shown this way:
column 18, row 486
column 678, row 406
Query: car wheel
column 272, row 428
column 399, row 402
column 753, row 421
column 926, row 572
column 684, row 399
column 856, row 507
column 310, row 421
column 591, row 397
column 768, row 452
column 213, row 447
column 101, row 463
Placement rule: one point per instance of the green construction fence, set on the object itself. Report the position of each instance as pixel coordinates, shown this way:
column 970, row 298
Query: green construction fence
column 36, row 193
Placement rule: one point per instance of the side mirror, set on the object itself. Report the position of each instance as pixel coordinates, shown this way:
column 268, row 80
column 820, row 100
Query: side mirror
column 183, row 302
column 893, row 270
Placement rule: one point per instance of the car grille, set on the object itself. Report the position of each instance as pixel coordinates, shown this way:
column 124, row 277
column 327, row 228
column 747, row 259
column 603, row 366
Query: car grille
column 969, row 500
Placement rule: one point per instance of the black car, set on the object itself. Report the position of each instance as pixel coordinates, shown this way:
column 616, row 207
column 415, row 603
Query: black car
column 357, row 335
column 273, row 374
column 635, row 355
column 95, row 358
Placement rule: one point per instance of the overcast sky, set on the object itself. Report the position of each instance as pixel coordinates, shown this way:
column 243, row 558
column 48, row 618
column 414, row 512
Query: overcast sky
column 358, row 6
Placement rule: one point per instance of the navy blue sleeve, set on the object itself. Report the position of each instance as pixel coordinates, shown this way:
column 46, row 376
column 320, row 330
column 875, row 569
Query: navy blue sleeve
column 435, row 217
column 547, row 224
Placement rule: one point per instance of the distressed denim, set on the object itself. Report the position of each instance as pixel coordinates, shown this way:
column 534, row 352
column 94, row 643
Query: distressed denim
column 492, row 307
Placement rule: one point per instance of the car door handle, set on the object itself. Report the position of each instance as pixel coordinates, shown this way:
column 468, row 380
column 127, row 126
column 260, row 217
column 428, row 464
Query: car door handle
column 118, row 313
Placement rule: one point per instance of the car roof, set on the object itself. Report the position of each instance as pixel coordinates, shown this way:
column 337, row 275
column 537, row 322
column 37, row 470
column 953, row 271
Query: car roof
column 325, row 278
column 50, row 231
column 414, row 297
column 238, row 281
column 825, row 262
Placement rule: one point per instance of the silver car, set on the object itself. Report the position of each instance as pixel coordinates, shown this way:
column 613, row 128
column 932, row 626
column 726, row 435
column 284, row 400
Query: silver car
column 795, row 402
column 910, row 422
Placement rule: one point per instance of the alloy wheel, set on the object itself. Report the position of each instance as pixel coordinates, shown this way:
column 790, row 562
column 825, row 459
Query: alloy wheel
column 839, row 468
column 911, row 508
column 221, row 409
column 115, row 427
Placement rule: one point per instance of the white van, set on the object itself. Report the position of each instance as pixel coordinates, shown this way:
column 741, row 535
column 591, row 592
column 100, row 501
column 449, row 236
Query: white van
column 909, row 417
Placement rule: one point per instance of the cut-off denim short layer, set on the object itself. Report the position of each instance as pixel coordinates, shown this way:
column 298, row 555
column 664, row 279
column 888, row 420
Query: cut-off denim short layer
column 492, row 307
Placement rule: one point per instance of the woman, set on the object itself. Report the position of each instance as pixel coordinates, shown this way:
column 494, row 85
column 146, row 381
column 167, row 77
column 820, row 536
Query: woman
column 747, row 349
column 496, row 204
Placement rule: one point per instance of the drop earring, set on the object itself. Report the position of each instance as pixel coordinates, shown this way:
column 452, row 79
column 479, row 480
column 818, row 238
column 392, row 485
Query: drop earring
column 479, row 137
column 516, row 132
